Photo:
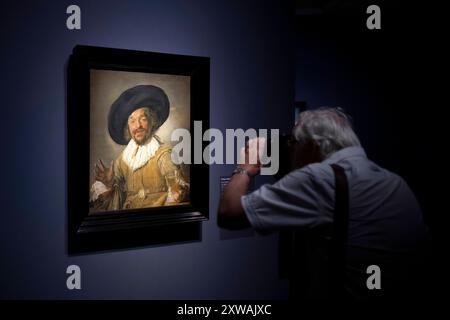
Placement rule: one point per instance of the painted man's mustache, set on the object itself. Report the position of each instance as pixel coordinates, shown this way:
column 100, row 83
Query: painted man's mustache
column 139, row 131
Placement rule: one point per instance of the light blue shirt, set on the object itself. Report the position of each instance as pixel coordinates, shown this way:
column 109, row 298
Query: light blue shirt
column 384, row 213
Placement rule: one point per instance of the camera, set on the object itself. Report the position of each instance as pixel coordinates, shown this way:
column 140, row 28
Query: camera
column 286, row 155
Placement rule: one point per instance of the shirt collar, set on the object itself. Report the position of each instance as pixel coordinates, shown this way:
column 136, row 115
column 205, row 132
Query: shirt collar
column 136, row 156
column 346, row 153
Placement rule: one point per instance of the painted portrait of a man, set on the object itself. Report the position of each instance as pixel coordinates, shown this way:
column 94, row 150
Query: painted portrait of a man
column 143, row 174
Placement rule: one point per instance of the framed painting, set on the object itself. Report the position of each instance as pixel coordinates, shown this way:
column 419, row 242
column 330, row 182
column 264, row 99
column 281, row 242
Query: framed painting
column 124, row 180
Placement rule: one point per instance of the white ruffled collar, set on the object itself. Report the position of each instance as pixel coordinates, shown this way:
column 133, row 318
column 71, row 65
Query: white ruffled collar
column 136, row 156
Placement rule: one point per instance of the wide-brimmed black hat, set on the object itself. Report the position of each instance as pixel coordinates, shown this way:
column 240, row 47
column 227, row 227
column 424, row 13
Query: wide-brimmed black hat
column 134, row 98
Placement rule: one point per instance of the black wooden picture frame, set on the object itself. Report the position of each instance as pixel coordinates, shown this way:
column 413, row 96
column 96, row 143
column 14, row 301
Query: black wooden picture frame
column 145, row 226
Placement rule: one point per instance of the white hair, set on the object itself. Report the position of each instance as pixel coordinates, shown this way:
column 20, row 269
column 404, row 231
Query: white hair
column 330, row 128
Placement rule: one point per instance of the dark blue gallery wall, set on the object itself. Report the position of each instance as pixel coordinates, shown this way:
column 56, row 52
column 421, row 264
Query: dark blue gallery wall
column 383, row 79
column 249, row 43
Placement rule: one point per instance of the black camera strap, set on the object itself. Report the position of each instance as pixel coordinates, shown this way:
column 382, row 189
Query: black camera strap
column 338, row 252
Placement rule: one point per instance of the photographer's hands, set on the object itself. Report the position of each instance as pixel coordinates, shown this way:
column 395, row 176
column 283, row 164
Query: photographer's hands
column 250, row 156
column 231, row 214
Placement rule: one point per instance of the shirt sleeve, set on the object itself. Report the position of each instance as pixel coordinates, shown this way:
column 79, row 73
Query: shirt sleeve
column 170, row 170
column 291, row 202
column 166, row 165
column 97, row 189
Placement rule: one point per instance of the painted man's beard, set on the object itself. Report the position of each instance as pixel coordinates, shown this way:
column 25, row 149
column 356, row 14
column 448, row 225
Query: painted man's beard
column 141, row 136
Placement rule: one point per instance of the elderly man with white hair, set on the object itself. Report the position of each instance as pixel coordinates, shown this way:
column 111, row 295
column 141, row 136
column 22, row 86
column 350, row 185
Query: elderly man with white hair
column 354, row 213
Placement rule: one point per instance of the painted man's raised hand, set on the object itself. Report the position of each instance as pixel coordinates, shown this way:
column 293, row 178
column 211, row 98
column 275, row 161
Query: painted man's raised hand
column 104, row 174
